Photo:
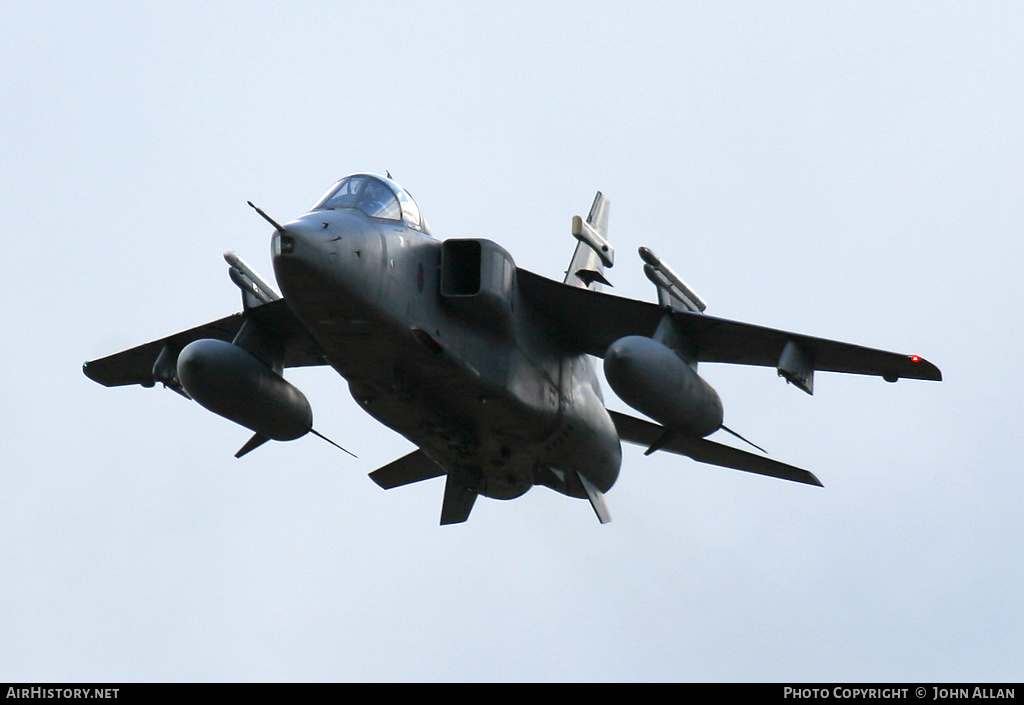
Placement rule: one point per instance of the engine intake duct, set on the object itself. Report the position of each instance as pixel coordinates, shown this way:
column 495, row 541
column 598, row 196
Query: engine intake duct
column 477, row 281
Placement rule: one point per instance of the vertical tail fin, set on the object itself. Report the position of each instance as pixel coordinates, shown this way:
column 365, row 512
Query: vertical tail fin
column 593, row 253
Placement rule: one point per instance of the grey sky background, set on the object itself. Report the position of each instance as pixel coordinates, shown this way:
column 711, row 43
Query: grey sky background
column 847, row 170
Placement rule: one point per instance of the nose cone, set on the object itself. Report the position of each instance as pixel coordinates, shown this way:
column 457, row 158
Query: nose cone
column 323, row 249
column 304, row 243
column 325, row 255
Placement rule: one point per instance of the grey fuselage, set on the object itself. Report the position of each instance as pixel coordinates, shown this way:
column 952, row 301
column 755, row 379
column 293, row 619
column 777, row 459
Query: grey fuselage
column 436, row 342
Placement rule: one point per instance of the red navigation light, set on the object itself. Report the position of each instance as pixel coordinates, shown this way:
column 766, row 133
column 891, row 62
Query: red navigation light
column 915, row 358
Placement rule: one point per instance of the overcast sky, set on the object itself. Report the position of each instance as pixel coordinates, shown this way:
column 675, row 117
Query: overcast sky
column 846, row 170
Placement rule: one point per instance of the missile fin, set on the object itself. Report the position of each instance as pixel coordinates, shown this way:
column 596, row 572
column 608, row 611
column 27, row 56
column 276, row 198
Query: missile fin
column 253, row 443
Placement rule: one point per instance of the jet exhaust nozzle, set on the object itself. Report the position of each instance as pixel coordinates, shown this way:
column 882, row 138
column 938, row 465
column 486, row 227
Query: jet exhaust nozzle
column 230, row 382
column 654, row 380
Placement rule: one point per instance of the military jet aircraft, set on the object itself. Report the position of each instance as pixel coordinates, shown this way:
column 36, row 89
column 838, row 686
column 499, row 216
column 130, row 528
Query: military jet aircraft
column 486, row 368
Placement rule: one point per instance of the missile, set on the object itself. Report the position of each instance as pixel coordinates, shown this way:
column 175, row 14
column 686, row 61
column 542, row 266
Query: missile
column 669, row 283
column 251, row 283
column 655, row 381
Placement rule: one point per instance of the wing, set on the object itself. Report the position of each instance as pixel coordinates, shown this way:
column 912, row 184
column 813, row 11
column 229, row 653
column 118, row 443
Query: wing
column 136, row 366
column 645, row 433
column 590, row 321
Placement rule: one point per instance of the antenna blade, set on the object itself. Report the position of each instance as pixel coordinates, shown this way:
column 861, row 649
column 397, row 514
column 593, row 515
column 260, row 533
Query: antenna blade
column 729, row 430
column 320, row 435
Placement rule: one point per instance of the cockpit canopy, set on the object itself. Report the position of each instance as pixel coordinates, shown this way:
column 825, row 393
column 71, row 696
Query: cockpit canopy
column 376, row 196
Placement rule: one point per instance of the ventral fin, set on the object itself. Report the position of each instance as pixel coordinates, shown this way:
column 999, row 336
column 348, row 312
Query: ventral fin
column 458, row 501
column 596, row 498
